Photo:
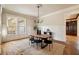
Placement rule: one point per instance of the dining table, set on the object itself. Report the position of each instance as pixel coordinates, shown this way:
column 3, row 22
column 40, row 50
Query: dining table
column 42, row 37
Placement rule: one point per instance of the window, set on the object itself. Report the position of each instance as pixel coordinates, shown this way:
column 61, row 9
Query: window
column 15, row 24
column 11, row 24
column 21, row 22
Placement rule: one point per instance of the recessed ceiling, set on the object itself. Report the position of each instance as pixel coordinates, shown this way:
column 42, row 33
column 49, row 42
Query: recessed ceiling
column 31, row 9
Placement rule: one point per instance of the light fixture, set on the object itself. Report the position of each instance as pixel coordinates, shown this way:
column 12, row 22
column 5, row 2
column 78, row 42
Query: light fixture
column 38, row 6
column 38, row 21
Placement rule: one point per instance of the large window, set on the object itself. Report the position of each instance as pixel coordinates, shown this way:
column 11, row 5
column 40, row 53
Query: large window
column 15, row 24
column 21, row 26
column 11, row 24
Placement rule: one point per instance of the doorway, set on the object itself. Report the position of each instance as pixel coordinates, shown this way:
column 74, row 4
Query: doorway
column 71, row 35
column 71, row 30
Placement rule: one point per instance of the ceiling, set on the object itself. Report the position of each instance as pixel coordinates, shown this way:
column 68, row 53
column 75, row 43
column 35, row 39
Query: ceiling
column 31, row 9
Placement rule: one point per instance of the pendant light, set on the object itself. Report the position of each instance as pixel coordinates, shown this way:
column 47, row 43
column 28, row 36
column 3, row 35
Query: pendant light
column 38, row 6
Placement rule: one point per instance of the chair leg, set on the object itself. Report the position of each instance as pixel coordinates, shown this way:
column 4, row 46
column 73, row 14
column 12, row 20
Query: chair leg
column 37, row 45
column 52, row 45
column 32, row 44
column 41, row 44
column 29, row 43
column 49, row 47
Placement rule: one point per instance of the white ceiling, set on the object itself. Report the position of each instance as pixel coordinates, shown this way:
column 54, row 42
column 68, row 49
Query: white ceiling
column 31, row 9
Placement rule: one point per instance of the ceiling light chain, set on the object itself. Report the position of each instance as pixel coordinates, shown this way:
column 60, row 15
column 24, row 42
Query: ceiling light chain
column 38, row 6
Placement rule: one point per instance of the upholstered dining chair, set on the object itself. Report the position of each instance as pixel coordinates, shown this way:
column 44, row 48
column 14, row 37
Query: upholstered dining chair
column 50, row 41
column 31, row 40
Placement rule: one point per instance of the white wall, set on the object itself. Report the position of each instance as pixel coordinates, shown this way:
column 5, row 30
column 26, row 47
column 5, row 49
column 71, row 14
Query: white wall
column 29, row 22
column 30, row 26
column 78, row 28
column 0, row 27
column 78, row 35
column 54, row 21
column 0, row 22
column 57, row 22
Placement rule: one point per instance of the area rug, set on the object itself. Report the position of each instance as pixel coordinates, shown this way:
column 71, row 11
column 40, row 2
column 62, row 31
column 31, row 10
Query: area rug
column 22, row 47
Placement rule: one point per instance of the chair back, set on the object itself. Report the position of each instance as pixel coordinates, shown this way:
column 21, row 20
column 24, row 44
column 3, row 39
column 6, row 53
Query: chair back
column 38, row 32
column 45, row 32
column 50, row 33
column 32, row 38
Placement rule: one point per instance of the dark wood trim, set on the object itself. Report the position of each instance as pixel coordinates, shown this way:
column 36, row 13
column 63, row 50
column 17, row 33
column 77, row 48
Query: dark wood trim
column 73, row 18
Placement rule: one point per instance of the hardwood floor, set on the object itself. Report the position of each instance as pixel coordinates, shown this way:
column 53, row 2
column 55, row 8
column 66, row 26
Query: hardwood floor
column 70, row 45
column 22, row 47
column 70, row 48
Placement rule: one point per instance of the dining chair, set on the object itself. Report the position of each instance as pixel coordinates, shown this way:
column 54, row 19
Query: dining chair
column 45, row 38
column 45, row 32
column 38, row 32
column 31, row 40
column 38, row 41
column 50, row 41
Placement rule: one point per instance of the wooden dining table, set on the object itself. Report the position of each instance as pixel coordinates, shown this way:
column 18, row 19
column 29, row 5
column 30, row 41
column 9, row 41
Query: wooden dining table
column 42, row 37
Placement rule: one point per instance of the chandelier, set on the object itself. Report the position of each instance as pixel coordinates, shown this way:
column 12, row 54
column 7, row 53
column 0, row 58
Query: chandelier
column 38, row 6
column 38, row 21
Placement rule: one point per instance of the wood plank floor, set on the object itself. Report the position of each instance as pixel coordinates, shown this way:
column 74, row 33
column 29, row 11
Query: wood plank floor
column 70, row 48
column 70, row 45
